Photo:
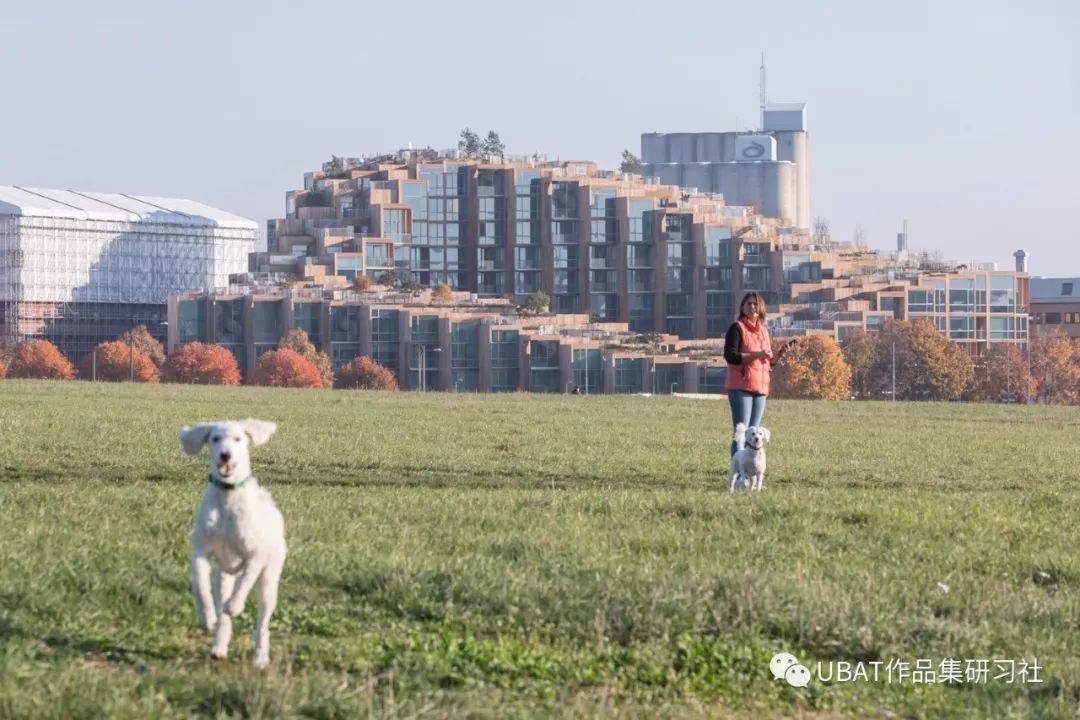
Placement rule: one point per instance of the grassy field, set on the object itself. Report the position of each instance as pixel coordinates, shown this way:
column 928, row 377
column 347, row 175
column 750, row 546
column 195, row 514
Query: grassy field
column 530, row 556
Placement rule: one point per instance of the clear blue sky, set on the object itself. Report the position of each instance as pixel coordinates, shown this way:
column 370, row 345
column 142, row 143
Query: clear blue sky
column 962, row 116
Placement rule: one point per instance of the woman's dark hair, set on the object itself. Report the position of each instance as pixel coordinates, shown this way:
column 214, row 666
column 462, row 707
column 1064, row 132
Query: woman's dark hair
column 760, row 301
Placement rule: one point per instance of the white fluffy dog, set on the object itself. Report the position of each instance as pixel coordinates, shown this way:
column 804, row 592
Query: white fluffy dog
column 239, row 527
column 747, row 471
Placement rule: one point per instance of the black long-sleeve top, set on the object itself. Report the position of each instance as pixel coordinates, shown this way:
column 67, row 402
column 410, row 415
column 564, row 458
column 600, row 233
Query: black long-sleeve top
column 732, row 345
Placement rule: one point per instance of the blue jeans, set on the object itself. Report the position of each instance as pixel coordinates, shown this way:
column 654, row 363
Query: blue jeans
column 745, row 408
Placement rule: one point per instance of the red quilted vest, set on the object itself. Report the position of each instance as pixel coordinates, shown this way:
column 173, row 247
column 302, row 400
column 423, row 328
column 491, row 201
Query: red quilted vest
column 752, row 376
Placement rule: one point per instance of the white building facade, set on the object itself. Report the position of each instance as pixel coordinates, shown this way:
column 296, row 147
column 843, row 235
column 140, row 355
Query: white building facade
column 79, row 268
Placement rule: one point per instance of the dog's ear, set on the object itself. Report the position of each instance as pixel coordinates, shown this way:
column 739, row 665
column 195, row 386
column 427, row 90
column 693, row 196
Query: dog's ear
column 258, row 430
column 766, row 434
column 193, row 438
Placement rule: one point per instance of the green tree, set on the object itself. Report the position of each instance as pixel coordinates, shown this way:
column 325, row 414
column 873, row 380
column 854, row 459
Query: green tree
column 494, row 146
column 537, row 303
column 469, row 145
column 630, row 163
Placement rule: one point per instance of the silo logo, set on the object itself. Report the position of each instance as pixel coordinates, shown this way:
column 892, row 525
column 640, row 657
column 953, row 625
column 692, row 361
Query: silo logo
column 753, row 150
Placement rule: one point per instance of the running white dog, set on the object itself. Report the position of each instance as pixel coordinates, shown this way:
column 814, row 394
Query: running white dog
column 239, row 527
column 747, row 471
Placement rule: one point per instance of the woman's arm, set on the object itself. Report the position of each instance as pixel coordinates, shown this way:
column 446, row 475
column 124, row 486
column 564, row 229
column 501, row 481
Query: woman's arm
column 732, row 343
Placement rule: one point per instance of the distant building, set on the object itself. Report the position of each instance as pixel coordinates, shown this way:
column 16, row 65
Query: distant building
column 80, row 268
column 609, row 245
column 767, row 169
column 1055, row 306
column 464, row 346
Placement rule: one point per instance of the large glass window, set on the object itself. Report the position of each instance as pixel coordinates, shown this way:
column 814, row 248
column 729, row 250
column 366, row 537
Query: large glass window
column 717, row 246
column 1002, row 293
column 192, row 317
column 306, row 317
column 465, row 356
column 588, row 370
column 628, row 374
column 267, row 321
column 962, row 295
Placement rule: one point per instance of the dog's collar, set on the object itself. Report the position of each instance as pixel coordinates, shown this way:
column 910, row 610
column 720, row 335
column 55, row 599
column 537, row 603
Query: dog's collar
column 228, row 486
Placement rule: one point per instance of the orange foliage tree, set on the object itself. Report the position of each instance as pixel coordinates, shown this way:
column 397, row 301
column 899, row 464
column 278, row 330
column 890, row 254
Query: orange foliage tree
column 297, row 340
column 361, row 283
column 40, row 359
column 858, row 349
column 201, row 364
column 1001, row 374
column 117, row 362
column 3, row 369
column 928, row 365
column 141, row 338
column 363, row 373
column 286, row 368
column 1054, row 361
column 813, row 368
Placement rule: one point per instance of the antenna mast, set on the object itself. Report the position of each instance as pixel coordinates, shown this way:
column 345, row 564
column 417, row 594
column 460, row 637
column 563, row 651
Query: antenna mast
column 761, row 89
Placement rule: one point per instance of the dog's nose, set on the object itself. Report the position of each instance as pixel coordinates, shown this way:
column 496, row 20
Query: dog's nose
column 225, row 457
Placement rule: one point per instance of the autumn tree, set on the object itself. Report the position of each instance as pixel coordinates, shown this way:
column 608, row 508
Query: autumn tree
column 118, row 362
column 363, row 373
column 297, row 341
column 286, row 368
column 201, row 364
column 858, row 348
column 361, row 283
column 442, row 293
column 40, row 359
column 1003, row 373
column 1054, row 368
column 3, row 368
column 928, row 365
column 143, row 341
column 813, row 368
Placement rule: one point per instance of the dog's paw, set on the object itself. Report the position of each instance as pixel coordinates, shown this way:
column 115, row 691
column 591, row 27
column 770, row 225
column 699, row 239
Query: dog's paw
column 219, row 653
column 261, row 660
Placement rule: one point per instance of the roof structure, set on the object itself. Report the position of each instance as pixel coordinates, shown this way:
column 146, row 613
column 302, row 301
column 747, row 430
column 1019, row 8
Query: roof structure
column 40, row 202
column 1066, row 289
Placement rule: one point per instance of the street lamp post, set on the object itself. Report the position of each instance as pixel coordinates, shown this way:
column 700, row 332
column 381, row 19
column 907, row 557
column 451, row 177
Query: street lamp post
column 131, row 355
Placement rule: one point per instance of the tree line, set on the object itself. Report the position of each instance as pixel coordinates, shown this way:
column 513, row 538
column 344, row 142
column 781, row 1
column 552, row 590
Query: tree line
column 916, row 362
column 137, row 356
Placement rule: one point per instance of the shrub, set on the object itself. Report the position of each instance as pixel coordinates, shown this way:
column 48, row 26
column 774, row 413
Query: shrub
column 297, row 341
column 286, row 368
column 40, row 359
column 201, row 364
column 147, row 343
column 363, row 373
column 117, row 362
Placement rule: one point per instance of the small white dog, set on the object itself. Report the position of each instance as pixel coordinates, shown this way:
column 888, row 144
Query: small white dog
column 239, row 527
column 747, row 471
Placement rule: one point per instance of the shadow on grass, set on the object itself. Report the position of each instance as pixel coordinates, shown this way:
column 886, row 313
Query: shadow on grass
column 103, row 647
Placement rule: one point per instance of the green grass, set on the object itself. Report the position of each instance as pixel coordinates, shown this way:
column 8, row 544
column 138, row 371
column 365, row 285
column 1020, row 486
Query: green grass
column 529, row 556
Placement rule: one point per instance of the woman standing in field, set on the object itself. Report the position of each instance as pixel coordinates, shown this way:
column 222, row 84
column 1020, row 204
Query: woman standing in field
column 750, row 360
